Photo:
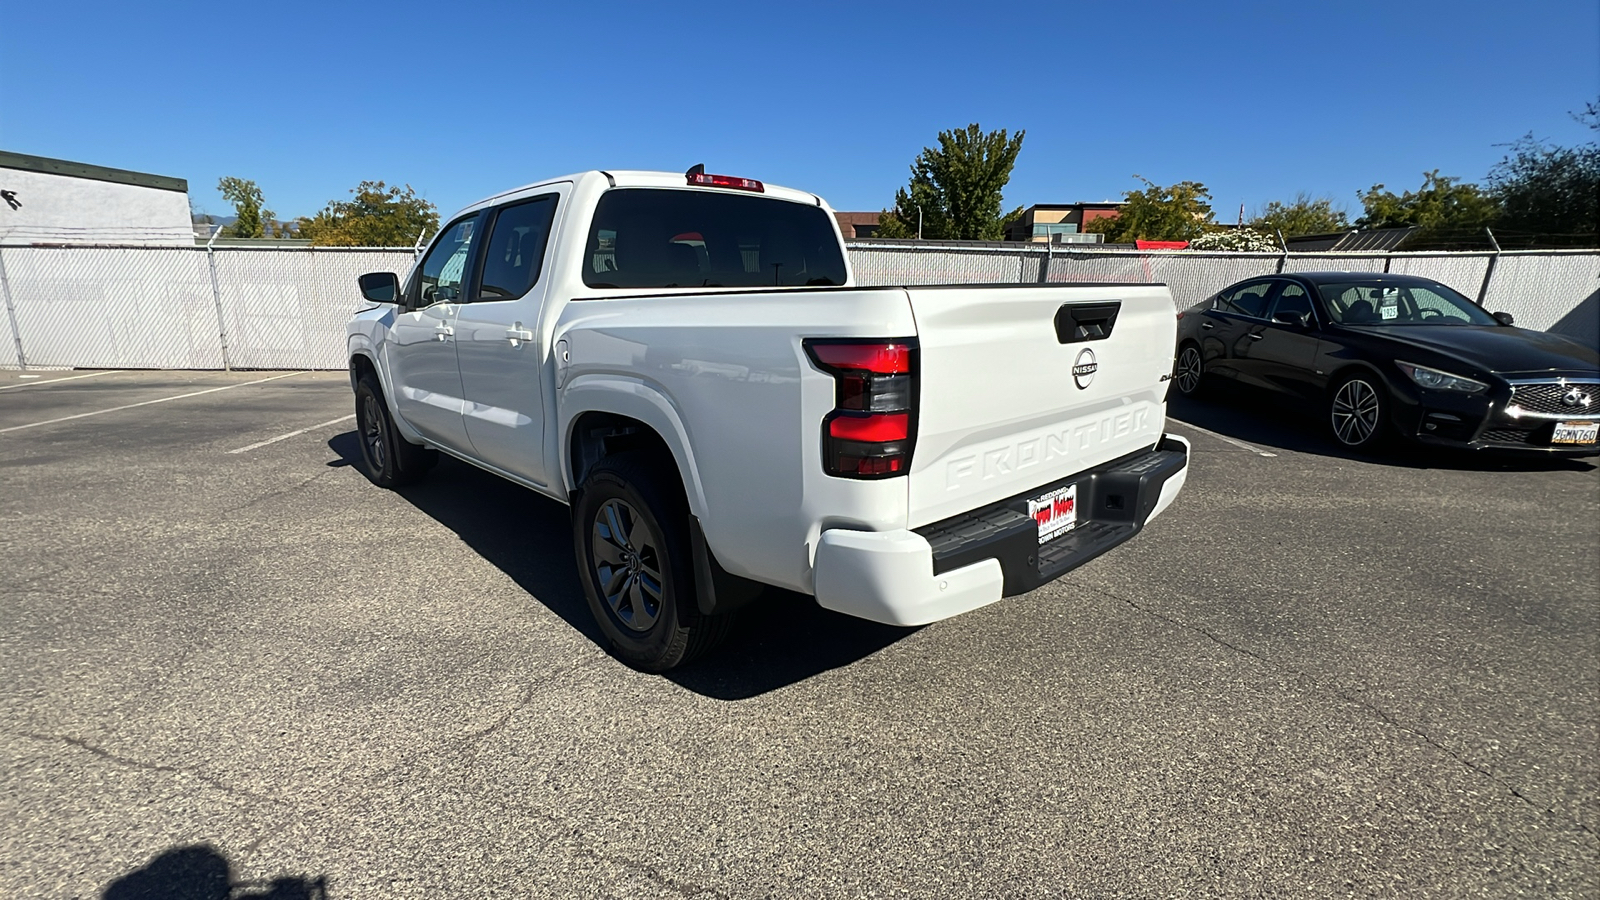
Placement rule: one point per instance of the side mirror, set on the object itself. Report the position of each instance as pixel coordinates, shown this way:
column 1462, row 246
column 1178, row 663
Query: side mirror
column 1504, row 318
column 380, row 287
column 1297, row 319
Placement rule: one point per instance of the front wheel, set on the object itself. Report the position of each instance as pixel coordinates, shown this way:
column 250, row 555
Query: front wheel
column 630, row 525
column 1356, row 412
column 391, row 460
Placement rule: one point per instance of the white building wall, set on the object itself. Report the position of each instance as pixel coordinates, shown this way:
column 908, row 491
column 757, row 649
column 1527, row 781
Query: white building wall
column 62, row 209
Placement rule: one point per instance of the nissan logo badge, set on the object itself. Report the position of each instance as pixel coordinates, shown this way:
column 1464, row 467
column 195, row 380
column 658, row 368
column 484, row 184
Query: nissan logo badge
column 1084, row 368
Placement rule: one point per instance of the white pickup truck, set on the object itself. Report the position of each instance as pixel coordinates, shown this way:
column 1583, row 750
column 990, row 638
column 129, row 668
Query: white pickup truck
column 686, row 361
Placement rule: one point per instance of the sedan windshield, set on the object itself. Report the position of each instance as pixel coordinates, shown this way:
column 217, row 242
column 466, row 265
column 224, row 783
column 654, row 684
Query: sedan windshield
column 1379, row 303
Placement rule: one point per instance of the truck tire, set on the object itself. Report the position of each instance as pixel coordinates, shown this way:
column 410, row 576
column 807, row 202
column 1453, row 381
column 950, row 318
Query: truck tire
column 391, row 461
column 630, row 533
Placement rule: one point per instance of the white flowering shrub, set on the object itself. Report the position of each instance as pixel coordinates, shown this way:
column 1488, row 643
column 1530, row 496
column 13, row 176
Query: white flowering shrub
column 1242, row 240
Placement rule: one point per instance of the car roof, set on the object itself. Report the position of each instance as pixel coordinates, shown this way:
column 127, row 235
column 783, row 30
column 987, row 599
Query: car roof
column 1364, row 277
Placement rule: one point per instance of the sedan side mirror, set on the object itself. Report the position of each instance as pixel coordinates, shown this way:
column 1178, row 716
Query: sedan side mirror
column 380, row 287
column 1297, row 319
column 1504, row 318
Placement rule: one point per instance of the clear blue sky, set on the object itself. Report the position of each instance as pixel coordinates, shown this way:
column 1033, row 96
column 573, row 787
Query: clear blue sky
column 463, row 99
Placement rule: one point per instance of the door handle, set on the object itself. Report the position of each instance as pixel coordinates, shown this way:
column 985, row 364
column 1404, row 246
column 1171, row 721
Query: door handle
column 1254, row 335
column 516, row 334
column 1207, row 326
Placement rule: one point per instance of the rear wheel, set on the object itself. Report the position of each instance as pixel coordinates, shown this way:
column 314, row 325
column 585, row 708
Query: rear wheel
column 1189, row 371
column 630, row 525
column 391, row 461
column 1356, row 411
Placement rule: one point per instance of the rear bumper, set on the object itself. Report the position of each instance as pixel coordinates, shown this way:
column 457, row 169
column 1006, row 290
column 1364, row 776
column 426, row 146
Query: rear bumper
column 972, row 560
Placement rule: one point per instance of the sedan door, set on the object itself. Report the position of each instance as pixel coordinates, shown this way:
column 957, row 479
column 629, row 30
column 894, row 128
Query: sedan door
column 499, row 341
column 420, row 353
column 1223, row 328
column 1280, row 354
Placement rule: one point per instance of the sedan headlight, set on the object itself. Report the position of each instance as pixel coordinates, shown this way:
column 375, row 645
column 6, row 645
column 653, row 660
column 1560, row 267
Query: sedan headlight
column 1433, row 379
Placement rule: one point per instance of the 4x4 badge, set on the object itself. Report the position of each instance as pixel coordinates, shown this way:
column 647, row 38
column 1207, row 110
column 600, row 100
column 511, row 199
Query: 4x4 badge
column 1084, row 368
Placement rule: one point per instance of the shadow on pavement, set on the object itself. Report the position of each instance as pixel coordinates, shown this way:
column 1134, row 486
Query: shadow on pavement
column 200, row 872
column 1269, row 421
column 780, row 639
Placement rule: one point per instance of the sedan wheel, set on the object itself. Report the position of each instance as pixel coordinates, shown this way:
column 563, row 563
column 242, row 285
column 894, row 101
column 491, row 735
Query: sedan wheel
column 1190, row 370
column 1356, row 413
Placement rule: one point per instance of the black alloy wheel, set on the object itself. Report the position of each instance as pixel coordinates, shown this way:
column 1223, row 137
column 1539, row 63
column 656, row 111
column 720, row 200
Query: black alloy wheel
column 1189, row 371
column 390, row 460
column 626, row 554
column 1355, row 412
column 630, row 535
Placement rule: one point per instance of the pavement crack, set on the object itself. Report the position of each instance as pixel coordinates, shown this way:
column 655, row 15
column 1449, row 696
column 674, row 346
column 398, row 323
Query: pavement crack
column 132, row 763
column 1367, row 705
column 522, row 703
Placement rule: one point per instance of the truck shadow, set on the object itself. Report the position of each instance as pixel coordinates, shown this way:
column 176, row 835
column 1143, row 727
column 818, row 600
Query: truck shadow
column 780, row 639
column 1272, row 423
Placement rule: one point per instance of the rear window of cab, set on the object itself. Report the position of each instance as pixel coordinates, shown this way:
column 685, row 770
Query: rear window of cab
column 666, row 238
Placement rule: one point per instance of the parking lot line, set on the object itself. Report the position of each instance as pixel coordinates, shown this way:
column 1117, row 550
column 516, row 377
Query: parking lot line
column 1234, row 441
column 285, row 437
column 57, row 380
column 99, row 412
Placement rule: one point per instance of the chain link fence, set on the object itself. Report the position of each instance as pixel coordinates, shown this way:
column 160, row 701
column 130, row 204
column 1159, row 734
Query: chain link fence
column 286, row 307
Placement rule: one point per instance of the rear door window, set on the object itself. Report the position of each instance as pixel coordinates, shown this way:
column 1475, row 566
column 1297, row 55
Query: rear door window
column 514, row 253
column 1246, row 300
column 655, row 238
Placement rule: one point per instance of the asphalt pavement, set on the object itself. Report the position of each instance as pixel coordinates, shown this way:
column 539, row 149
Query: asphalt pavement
column 231, row 666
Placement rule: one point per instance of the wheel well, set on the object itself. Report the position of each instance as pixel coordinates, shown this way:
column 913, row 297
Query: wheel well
column 361, row 365
column 1340, row 374
column 597, row 435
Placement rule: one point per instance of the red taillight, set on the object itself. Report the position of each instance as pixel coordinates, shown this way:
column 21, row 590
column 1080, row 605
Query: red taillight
column 876, row 428
column 871, row 430
column 726, row 181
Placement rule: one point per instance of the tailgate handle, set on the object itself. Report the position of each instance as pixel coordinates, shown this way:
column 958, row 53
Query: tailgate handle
column 1086, row 321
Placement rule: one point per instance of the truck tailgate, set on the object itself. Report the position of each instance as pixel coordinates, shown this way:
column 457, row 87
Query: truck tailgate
column 1002, row 412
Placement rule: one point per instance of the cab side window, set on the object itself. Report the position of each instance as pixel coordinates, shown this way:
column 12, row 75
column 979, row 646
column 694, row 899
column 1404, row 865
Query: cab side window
column 514, row 253
column 1248, row 300
column 444, row 269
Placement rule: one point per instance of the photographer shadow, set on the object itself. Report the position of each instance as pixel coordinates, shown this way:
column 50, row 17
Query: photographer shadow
column 201, row 872
column 779, row 639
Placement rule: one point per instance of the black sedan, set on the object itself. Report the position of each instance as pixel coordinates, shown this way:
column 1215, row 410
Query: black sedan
column 1396, row 355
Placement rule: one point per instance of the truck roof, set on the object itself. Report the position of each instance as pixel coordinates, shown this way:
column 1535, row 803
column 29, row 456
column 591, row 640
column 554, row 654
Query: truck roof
column 644, row 178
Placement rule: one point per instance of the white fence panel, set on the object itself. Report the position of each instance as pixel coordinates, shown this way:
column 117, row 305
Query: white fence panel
column 286, row 307
column 289, row 310
column 114, row 307
column 1556, row 292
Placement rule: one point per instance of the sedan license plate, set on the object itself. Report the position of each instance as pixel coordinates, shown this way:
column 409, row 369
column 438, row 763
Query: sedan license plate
column 1055, row 512
column 1576, row 433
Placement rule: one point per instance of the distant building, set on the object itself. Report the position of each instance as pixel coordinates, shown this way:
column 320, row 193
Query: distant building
column 53, row 201
column 1054, row 222
column 857, row 224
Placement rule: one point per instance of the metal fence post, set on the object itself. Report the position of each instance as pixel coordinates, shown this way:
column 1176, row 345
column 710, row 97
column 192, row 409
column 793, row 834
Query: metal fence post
column 216, row 296
column 1049, row 257
column 11, row 313
column 1488, row 271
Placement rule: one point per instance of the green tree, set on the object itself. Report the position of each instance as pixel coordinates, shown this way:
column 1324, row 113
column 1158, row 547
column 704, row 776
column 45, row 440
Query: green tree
column 376, row 216
column 1302, row 215
column 247, row 200
column 1447, row 212
column 958, row 187
column 1548, row 195
column 1179, row 212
